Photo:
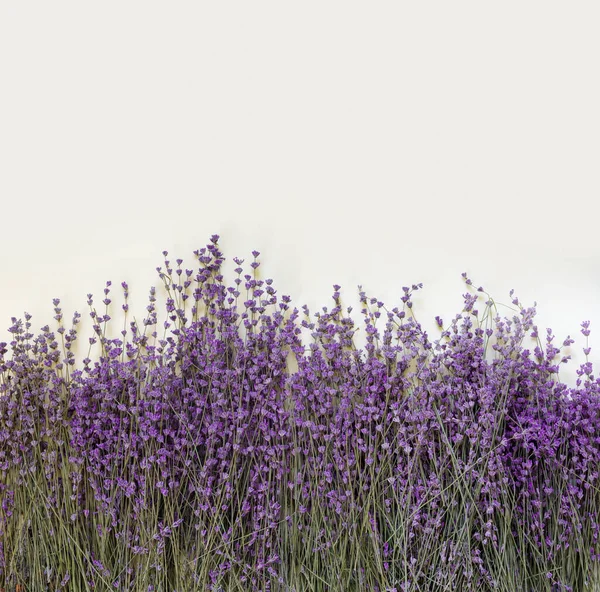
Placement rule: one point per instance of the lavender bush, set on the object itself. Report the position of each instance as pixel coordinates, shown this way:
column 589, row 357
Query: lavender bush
column 216, row 452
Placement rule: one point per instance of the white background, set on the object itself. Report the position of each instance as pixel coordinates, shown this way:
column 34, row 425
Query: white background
column 371, row 143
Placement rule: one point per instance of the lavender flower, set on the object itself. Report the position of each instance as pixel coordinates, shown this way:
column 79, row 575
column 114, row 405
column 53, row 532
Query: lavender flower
column 218, row 451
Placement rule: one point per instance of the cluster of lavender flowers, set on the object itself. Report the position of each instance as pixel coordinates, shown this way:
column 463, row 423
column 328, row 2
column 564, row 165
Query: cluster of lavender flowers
column 226, row 455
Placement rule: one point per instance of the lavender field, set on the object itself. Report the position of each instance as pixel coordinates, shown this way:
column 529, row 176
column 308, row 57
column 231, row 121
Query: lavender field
column 219, row 451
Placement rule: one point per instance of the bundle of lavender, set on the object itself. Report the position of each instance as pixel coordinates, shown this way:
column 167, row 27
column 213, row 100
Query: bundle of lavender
column 217, row 452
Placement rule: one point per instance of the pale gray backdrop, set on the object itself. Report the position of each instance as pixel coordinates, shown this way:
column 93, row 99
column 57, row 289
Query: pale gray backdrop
column 376, row 143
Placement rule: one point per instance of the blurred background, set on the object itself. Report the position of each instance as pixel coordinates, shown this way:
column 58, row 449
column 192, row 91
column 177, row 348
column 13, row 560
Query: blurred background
column 381, row 144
